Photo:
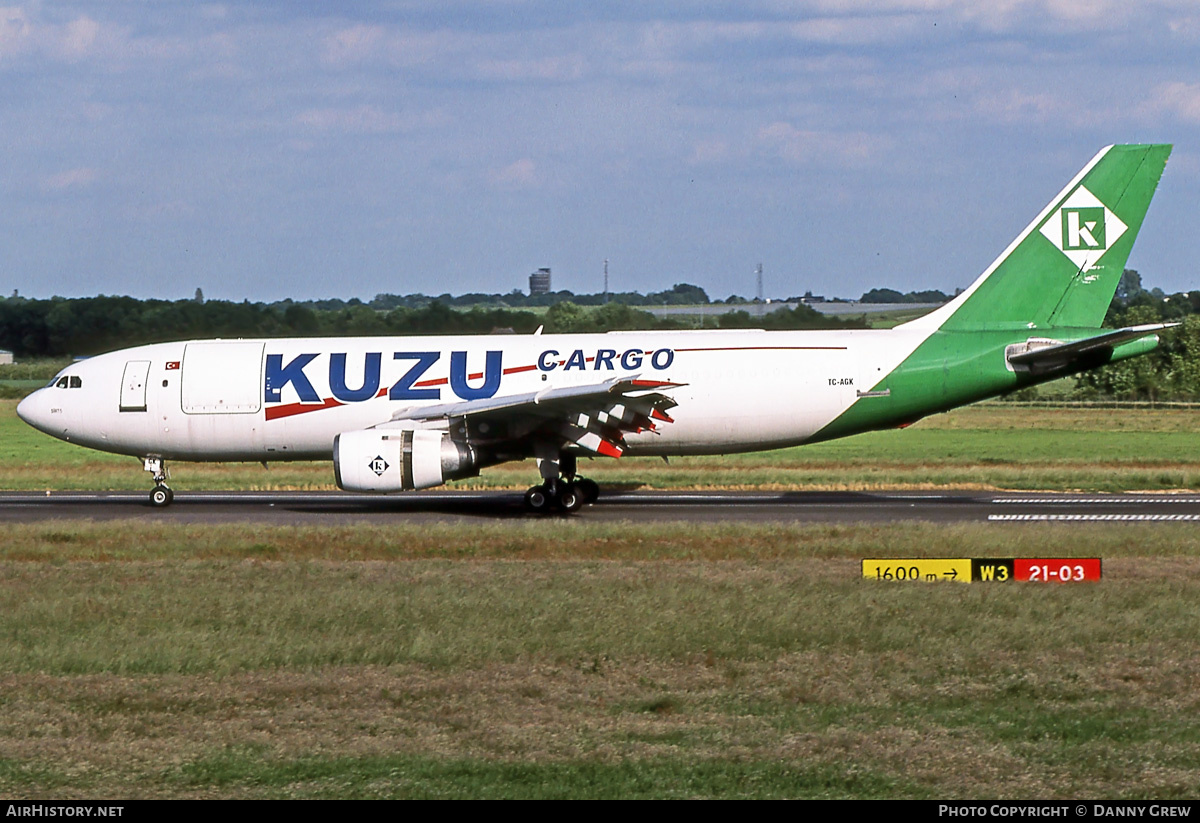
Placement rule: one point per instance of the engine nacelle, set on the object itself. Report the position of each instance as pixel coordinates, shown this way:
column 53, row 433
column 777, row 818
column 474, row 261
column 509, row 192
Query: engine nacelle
column 392, row 460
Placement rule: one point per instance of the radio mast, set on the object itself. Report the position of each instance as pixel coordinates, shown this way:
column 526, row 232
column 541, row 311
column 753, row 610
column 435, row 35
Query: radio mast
column 761, row 302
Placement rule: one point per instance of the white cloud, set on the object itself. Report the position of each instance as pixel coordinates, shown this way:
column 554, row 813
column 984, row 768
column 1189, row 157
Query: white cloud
column 70, row 179
column 365, row 44
column 15, row 31
column 1016, row 106
column 214, row 11
column 565, row 67
column 520, row 174
column 1186, row 26
column 365, row 119
column 1074, row 15
column 1179, row 99
column 668, row 40
column 709, row 151
column 79, row 36
column 807, row 147
column 362, row 118
column 353, row 44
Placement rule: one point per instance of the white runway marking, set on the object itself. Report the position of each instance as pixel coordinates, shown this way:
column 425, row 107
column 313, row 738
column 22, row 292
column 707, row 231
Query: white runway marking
column 1091, row 501
column 1096, row 517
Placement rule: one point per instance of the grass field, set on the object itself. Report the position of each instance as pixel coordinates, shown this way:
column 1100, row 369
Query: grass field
column 543, row 659
column 995, row 445
column 571, row 658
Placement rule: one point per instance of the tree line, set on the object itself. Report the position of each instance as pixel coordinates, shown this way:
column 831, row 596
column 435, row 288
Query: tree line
column 66, row 327
column 681, row 294
column 69, row 327
column 1169, row 373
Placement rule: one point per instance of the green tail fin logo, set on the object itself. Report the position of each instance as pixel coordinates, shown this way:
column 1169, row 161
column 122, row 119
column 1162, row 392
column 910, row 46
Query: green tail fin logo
column 1063, row 269
column 1083, row 229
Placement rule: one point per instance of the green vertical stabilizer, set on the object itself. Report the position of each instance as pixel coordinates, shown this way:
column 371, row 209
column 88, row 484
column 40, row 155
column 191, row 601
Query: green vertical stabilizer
column 1035, row 314
column 1064, row 268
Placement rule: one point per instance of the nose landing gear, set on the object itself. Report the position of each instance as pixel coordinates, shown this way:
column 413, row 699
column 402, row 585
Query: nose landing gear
column 162, row 495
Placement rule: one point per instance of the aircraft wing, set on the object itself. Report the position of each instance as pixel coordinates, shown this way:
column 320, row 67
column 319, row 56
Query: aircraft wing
column 594, row 417
column 1039, row 356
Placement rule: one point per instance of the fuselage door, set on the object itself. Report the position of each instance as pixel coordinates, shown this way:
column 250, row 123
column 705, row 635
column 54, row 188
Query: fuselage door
column 222, row 377
column 133, row 386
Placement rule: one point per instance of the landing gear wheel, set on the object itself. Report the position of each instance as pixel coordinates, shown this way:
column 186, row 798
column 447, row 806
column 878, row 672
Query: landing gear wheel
column 537, row 499
column 162, row 494
column 590, row 489
column 570, row 499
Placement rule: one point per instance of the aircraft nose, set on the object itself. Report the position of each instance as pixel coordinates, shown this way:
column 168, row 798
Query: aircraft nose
column 33, row 410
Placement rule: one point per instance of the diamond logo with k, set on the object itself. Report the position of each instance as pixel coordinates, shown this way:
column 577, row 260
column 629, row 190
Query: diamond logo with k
column 1083, row 228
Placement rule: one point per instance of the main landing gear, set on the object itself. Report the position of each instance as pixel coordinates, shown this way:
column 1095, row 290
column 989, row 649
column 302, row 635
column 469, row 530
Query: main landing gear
column 561, row 494
column 562, row 490
column 161, row 495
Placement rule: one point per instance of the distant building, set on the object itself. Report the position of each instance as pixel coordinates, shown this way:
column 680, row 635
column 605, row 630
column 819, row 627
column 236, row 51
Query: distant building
column 539, row 282
column 809, row 297
column 5, row 357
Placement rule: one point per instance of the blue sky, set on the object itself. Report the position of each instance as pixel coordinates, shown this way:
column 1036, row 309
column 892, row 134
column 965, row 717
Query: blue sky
column 296, row 149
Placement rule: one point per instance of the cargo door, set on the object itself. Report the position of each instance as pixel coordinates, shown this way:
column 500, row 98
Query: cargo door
column 222, row 377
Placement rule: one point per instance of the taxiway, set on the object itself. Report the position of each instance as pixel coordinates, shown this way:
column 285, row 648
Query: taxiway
column 324, row 508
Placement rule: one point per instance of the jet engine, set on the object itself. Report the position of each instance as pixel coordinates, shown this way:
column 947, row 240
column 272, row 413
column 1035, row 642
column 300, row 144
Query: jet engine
column 392, row 460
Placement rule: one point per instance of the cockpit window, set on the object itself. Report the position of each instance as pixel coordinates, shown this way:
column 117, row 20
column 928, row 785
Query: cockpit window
column 62, row 383
column 67, row 381
column 76, row 382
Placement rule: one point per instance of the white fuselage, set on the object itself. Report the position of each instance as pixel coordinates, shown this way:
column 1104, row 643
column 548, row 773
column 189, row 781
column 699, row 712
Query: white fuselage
column 286, row 399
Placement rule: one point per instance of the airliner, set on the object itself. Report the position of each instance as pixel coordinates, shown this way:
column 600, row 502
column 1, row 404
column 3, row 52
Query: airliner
column 402, row 413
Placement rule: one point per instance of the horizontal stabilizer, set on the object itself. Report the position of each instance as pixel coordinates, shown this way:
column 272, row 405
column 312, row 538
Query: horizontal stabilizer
column 1040, row 355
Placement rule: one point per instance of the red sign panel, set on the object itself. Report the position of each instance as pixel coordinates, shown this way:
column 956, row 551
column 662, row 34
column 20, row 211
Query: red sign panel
column 1056, row 569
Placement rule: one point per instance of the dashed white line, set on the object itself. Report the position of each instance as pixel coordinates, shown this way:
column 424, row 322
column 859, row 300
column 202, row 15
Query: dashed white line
column 1096, row 517
column 1091, row 501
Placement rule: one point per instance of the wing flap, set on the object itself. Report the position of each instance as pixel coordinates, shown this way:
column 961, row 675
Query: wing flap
column 594, row 418
column 546, row 402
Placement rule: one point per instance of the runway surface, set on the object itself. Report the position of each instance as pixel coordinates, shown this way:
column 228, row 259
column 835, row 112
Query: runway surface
column 333, row 508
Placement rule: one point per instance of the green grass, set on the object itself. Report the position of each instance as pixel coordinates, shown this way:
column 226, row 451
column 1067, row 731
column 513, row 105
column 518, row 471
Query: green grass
column 569, row 658
column 552, row 659
column 38, row 370
column 893, row 317
column 996, row 445
column 244, row 771
column 407, row 777
column 217, row 618
column 19, row 379
column 16, row 389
